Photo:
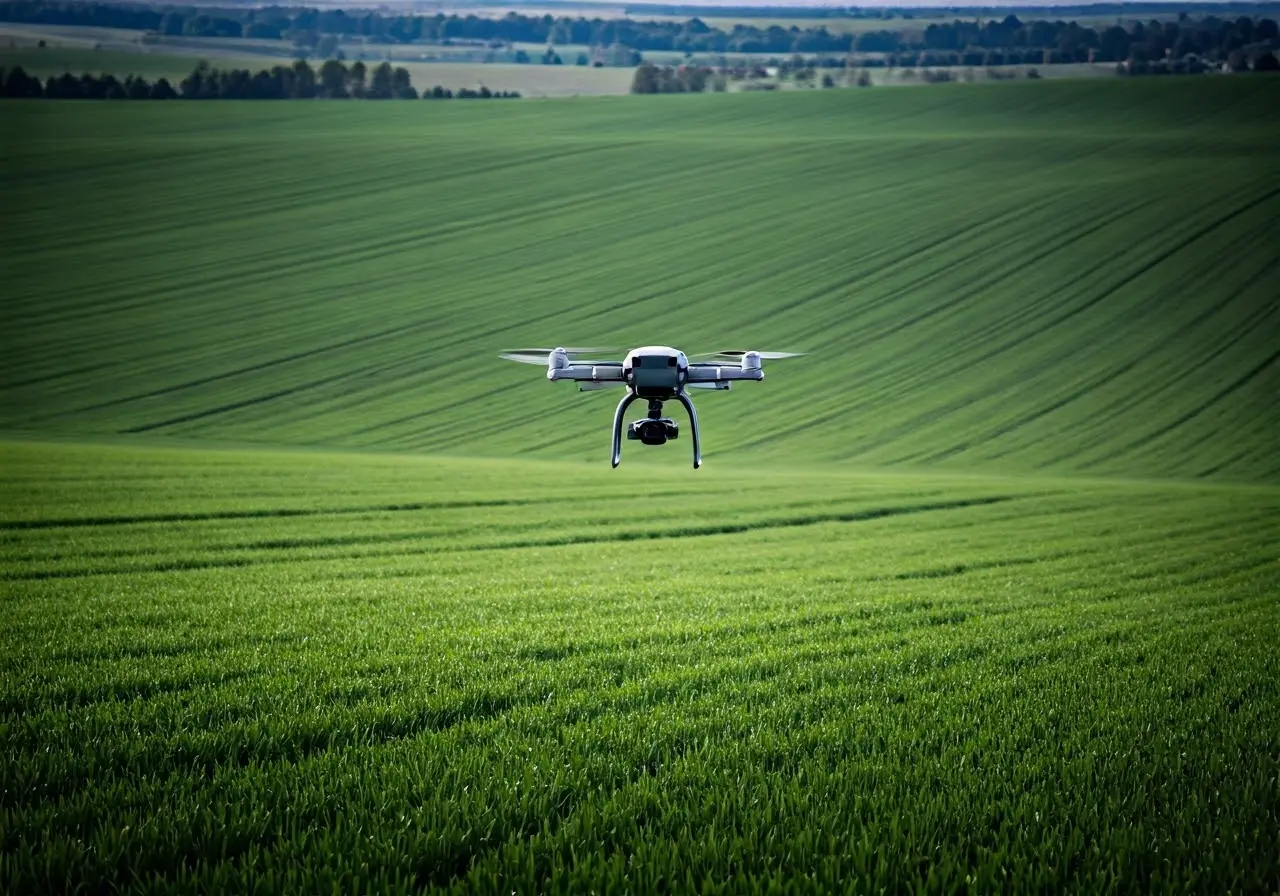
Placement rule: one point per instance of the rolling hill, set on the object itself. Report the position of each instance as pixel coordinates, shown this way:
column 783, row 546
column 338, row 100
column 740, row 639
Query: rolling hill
column 908, row 630
column 1066, row 277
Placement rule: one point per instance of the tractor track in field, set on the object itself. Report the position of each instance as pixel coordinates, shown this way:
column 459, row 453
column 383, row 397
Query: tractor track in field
column 675, row 532
column 289, row 512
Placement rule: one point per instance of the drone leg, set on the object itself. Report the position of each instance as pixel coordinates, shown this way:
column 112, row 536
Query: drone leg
column 617, row 425
column 693, row 421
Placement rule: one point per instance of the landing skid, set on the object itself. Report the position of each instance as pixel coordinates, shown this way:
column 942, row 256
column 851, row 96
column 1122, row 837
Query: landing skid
column 655, row 413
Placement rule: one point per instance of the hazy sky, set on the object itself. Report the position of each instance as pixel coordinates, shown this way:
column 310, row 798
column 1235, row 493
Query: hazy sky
column 905, row 3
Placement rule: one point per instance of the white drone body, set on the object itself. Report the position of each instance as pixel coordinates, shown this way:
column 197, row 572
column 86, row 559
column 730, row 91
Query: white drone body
column 656, row 372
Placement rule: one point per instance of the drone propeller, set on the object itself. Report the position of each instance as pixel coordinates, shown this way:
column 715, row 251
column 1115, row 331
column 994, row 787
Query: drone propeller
column 539, row 356
column 736, row 354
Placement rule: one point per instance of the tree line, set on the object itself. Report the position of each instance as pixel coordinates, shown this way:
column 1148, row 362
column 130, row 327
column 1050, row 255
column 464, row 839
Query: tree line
column 333, row 80
column 1110, row 10
column 1008, row 40
column 650, row 78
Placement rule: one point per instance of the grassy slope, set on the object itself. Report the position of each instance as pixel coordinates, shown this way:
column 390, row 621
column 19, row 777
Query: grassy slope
column 229, row 669
column 232, row 670
column 1066, row 277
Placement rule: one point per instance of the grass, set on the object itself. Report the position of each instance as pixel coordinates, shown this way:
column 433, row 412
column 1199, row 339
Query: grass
column 303, row 589
column 247, row 670
column 1060, row 278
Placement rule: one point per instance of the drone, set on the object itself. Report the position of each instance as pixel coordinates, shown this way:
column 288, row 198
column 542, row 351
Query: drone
column 655, row 372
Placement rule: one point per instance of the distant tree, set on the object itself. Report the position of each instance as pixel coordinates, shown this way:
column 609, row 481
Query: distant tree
column 522, row 57
column 645, row 79
column 137, row 88
column 304, row 80
column 64, row 87
column 262, row 31
column 193, row 85
column 828, row 81
column 402, row 84
column 380, row 87
column 163, row 90
column 693, row 78
column 333, row 80
column 171, row 24
column 1267, row 62
column 327, row 47
column 864, row 79
column 582, row 59
column 113, row 89
column 356, row 79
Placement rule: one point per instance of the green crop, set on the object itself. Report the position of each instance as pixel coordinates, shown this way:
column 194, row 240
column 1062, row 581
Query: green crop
column 301, row 588
column 253, row 670
column 1067, row 277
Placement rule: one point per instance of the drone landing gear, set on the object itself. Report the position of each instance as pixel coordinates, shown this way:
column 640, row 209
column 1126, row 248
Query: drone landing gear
column 654, row 429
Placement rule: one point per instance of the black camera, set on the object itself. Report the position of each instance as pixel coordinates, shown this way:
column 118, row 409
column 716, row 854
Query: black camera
column 653, row 432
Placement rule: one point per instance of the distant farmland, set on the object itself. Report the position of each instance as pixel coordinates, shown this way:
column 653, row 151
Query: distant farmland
column 1066, row 278
column 305, row 589
column 121, row 53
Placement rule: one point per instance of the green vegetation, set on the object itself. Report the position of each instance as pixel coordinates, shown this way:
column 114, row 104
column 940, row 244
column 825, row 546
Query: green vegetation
column 241, row 671
column 1067, row 277
column 650, row 78
column 304, row 589
column 297, row 81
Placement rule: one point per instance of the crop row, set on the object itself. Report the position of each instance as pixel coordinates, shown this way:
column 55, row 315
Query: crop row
column 1068, row 277
column 1071, row 687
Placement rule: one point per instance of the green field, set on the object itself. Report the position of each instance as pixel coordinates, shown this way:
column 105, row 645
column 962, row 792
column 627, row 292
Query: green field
column 304, row 589
column 1064, row 278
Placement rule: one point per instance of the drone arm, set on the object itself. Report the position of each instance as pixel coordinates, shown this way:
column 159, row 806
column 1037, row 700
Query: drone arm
column 598, row 373
column 693, row 424
column 721, row 374
column 617, row 425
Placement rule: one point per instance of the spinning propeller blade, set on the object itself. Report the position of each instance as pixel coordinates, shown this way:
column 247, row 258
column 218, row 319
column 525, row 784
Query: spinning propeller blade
column 736, row 354
column 540, row 360
column 540, row 355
